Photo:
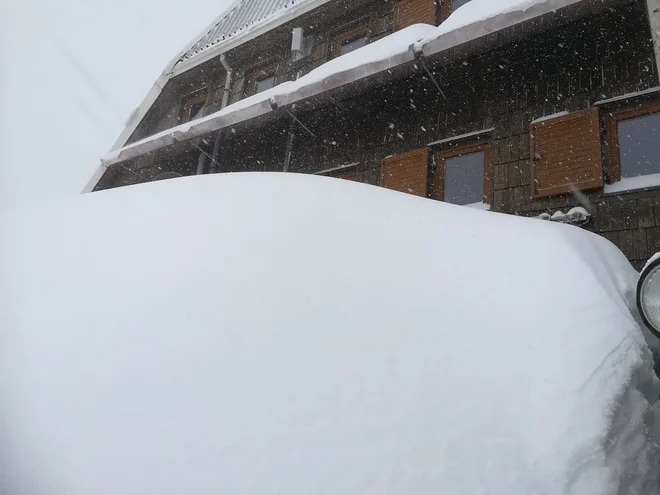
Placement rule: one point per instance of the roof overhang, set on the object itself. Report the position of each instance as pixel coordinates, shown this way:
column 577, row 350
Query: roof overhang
column 177, row 67
column 250, row 34
column 468, row 40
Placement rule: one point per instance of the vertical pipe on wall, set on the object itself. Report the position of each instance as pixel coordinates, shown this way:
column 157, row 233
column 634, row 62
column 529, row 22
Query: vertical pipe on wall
column 215, row 166
column 201, row 163
column 228, row 78
column 289, row 146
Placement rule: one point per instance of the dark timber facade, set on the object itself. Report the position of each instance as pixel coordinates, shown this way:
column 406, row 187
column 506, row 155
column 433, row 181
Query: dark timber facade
column 557, row 118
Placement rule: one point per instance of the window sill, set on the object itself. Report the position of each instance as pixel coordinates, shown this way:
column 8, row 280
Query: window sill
column 479, row 206
column 633, row 183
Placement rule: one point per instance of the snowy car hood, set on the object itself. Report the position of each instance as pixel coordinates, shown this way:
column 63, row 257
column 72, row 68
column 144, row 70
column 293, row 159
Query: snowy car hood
column 278, row 333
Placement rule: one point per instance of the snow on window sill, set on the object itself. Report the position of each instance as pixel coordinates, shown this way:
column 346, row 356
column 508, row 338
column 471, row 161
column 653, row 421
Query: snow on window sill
column 479, row 206
column 633, row 183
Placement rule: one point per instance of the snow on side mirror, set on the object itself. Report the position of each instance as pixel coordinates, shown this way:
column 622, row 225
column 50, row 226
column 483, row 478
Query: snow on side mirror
column 648, row 295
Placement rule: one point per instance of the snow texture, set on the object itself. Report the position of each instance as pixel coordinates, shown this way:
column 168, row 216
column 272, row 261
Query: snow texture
column 476, row 11
column 280, row 333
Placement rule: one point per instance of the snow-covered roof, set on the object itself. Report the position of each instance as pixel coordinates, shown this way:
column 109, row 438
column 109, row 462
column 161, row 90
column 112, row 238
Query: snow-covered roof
column 241, row 22
column 209, row 335
column 240, row 18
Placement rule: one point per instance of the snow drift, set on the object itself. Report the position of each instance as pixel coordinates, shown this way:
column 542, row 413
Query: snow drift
column 276, row 333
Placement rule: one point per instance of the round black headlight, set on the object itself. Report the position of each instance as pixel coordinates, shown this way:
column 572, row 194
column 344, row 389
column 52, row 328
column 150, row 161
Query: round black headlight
column 648, row 295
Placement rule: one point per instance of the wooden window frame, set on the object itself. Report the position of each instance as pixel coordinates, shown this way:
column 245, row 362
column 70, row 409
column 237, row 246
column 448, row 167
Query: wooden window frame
column 361, row 31
column 189, row 101
column 612, row 148
column 258, row 74
column 438, row 176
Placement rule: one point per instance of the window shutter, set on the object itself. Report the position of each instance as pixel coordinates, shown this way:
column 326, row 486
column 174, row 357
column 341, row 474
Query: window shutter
column 407, row 173
column 565, row 154
column 409, row 12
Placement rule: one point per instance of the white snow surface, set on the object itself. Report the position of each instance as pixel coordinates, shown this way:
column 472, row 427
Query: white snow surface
column 277, row 333
column 476, row 11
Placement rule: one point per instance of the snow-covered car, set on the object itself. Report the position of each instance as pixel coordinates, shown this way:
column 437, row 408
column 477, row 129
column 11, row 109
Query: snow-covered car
column 278, row 333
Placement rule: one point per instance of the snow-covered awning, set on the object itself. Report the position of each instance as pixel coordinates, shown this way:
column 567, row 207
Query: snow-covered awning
column 474, row 21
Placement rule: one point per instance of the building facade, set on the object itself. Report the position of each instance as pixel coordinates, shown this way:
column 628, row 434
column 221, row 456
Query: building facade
column 552, row 113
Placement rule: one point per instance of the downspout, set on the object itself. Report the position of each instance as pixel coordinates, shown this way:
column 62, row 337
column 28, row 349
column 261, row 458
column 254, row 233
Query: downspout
column 228, row 77
column 215, row 166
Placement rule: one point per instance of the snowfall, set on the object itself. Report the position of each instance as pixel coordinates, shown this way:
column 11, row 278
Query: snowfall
column 472, row 20
column 278, row 333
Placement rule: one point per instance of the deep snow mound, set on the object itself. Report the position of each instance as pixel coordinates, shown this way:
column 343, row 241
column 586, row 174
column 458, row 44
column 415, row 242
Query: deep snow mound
column 278, row 333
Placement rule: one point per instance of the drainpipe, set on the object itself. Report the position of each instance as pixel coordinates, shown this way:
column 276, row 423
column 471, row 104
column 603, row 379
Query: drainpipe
column 214, row 166
column 289, row 146
column 228, row 77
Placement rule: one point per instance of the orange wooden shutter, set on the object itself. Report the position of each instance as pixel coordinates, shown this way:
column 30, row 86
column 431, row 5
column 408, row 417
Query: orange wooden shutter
column 565, row 154
column 409, row 12
column 407, row 173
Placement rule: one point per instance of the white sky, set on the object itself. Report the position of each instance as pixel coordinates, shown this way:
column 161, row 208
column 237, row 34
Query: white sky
column 72, row 72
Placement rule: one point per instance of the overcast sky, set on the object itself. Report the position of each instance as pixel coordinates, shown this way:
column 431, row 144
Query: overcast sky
column 72, row 72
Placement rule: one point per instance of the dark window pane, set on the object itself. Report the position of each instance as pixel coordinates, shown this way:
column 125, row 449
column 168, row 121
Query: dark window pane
column 264, row 84
column 349, row 46
column 639, row 145
column 196, row 110
column 457, row 3
column 464, row 179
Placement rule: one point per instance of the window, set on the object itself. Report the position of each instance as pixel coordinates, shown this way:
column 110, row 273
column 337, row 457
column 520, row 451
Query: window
column 633, row 137
column 351, row 45
column 193, row 107
column 409, row 12
column 462, row 174
column 261, row 79
column 264, row 84
column 565, row 154
column 349, row 41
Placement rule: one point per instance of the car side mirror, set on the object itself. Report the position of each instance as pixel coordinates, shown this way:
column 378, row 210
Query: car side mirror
column 648, row 295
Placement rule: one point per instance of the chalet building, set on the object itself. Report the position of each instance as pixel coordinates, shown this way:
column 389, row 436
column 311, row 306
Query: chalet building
column 543, row 108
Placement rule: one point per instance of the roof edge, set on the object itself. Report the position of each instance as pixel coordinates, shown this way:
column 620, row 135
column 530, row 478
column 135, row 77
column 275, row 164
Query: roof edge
column 174, row 68
column 294, row 11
